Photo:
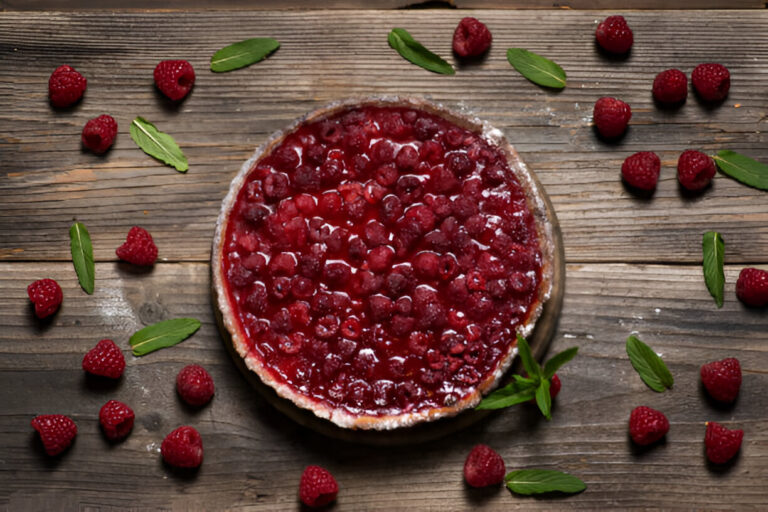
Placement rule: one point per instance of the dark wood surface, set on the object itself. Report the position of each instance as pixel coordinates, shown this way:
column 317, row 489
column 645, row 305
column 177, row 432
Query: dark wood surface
column 633, row 265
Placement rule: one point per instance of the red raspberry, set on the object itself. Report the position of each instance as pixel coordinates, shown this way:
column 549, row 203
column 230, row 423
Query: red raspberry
column 56, row 431
column 554, row 386
column 105, row 360
column 317, row 487
column 722, row 443
column 670, row 86
column 46, row 295
column 65, row 86
column 641, row 170
column 722, row 379
column 483, row 467
column 99, row 133
column 752, row 287
column 116, row 420
column 611, row 117
column 195, row 385
column 614, row 35
column 711, row 81
column 174, row 78
column 647, row 425
column 471, row 38
column 139, row 248
column 183, row 448
column 695, row 169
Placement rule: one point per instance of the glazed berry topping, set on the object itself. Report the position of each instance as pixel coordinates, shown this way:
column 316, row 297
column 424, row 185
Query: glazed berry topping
column 379, row 260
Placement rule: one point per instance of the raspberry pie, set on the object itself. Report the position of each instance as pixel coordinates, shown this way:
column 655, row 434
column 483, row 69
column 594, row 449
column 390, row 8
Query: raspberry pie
column 373, row 262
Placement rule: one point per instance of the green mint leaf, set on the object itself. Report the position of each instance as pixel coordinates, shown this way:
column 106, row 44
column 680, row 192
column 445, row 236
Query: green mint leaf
column 82, row 256
column 743, row 169
column 158, row 144
column 543, row 400
column 649, row 365
column 536, row 68
column 539, row 481
column 532, row 368
column 242, row 54
column 162, row 334
column 525, row 380
column 413, row 51
column 714, row 252
column 511, row 394
column 554, row 364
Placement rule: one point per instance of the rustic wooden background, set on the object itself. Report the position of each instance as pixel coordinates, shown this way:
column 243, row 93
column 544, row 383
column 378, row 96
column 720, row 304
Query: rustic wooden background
column 633, row 265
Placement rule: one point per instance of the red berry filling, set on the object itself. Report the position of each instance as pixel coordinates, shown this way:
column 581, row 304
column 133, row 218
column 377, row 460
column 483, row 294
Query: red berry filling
column 379, row 260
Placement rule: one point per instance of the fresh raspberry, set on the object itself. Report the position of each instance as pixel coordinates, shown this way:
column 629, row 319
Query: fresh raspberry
column 611, row 117
column 670, row 87
column 56, row 431
column 46, row 295
column 317, row 487
column 614, row 35
column 554, row 386
column 483, row 467
column 722, row 443
column 174, row 78
column 99, row 133
column 711, row 81
column 647, row 425
column 66, row 86
column 641, row 170
column 471, row 38
column 183, row 448
column 752, row 287
column 695, row 169
column 722, row 379
column 105, row 360
column 195, row 385
column 116, row 420
column 139, row 248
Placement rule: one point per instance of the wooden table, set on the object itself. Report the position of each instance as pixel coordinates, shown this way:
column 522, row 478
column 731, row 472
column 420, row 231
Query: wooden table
column 633, row 265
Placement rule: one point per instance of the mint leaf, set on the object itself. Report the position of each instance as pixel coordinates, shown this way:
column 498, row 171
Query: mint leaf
column 242, row 54
column 532, row 368
column 413, row 51
column 162, row 335
column 82, row 256
column 649, row 365
column 713, row 248
column 158, row 144
column 543, row 399
column 743, row 169
column 539, row 481
column 536, row 68
column 511, row 394
column 554, row 364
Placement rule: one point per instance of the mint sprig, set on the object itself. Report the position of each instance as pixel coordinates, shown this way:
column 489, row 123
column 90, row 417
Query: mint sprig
column 534, row 386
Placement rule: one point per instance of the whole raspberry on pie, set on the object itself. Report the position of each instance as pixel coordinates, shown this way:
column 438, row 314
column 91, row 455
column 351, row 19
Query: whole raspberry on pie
column 374, row 263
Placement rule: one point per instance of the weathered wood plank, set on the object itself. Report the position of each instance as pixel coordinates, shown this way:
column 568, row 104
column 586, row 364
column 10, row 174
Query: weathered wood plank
column 254, row 456
column 47, row 180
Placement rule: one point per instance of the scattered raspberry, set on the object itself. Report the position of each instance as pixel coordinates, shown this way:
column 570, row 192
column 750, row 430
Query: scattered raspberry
column 65, row 86
column 670, row 87
column 183, row 448
column 611, row 117
column 752, row 287
column 116, row 420
column 641, row 170
column 711, row 81
column 483, row 467
column 554, row 386
column 99, row 133
column 46, row 295
column 722, row 443
column 195, row 385
column 722, row 379
column 471, row 38
column 56, row 431
column 105, row 360
column 139, row 248
column 614, row 35
column 695, row 169
column 174, row 78
column 647, row 425
column 317, row 487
